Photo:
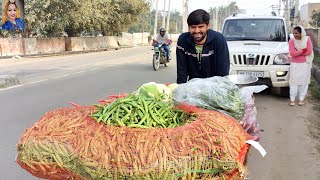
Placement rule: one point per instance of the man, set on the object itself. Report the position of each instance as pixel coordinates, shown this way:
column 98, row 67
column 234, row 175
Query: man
column 201, row 52
column 163, row 38
column 234, row 31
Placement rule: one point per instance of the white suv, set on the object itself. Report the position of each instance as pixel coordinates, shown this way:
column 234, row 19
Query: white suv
column 258, row 46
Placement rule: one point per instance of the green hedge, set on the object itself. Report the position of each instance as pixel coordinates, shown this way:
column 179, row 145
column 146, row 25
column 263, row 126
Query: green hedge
column 317, row 58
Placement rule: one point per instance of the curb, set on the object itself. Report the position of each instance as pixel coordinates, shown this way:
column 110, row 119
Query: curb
column 8, row 80
column 56, row 54
column 69, row 52
column 6, row 59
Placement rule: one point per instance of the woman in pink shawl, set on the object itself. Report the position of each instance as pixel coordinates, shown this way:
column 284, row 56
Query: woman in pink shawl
column 301, row 52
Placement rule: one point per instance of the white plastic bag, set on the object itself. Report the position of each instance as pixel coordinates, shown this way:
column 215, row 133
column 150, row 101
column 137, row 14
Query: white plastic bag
column 216, row 93
column 249, row 120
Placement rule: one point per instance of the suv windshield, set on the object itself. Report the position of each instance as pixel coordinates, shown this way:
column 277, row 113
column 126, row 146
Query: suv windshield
column 254, row 29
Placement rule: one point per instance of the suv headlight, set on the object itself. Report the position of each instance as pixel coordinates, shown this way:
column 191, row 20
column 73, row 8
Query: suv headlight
column 282, row 59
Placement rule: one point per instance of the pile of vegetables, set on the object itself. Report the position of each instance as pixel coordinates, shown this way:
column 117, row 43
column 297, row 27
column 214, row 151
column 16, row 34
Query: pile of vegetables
column 150, row 106
column 68, row 144
column 142, row 135
column 140, row 111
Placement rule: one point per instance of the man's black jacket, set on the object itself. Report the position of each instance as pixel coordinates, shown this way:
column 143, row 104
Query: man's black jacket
column 214, row 60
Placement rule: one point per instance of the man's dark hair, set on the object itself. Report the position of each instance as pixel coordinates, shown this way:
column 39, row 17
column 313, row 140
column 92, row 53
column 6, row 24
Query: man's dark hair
column 198, row 16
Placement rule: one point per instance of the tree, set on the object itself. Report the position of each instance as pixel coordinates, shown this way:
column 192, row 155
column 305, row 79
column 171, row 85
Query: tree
column 81, row 17
column 47, row 18
column 315, row 18
column 175, row 22
column 142, row 24
column 223, row 12
column 123, row 14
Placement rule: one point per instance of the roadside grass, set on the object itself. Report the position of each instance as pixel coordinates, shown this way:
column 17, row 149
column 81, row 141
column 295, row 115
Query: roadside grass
column 316, row 59
column 314, row 124
column 314, row 89
column 314, row 128
column 314, row 85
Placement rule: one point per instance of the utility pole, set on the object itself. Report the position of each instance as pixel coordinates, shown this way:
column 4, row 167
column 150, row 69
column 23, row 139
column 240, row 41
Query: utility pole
column 228, row 8
column 184, row 15
column 168, row 18
column 287, row 13
column 296, row 7
column 164, row 14
column 155, row 21
column 217, row 19
column 279, row 7
column 213, row 17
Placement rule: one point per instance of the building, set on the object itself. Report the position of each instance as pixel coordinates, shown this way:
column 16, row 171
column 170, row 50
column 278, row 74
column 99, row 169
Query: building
column 306, row 11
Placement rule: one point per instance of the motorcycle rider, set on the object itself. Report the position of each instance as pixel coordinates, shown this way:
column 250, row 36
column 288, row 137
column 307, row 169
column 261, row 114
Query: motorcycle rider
column 162, row 37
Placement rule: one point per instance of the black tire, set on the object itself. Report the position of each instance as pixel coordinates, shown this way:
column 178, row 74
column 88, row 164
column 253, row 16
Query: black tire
column 156, row 62
column 284, row 91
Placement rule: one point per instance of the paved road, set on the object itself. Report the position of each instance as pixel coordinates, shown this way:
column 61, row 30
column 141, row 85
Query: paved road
column 50, row 82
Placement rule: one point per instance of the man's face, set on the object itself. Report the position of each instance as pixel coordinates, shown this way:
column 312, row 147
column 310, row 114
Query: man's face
column 162, row 33
column 232, row 29
column 199, row 32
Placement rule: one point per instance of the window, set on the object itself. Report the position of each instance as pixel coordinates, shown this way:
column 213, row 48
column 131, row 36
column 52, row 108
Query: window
column 254, row 29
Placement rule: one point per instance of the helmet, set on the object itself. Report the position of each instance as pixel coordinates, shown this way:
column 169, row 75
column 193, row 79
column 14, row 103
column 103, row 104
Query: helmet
column 162, row 29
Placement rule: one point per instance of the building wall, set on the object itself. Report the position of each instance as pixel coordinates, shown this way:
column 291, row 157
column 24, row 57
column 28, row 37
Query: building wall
column 50, row 45
column 314, row 36
column 91, row 43
column 11, row 46
column 306, row 11
column 140, row 38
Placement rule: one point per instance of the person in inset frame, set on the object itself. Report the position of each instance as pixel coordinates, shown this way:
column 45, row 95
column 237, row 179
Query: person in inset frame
column 201, row 52
column 11, row 16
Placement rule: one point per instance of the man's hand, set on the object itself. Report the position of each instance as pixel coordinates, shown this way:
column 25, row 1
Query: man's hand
column 154, row 42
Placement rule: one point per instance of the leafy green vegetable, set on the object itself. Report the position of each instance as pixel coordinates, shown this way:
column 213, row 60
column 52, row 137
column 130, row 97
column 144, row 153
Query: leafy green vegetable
column 158, row 91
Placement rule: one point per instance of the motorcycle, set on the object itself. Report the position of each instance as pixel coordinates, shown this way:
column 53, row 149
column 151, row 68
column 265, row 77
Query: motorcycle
column 159, row 55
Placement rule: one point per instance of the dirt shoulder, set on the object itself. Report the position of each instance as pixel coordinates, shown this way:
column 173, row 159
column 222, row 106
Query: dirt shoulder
column 291, row 147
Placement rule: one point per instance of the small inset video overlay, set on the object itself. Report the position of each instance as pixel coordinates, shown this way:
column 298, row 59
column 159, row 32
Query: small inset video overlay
column 12, row 15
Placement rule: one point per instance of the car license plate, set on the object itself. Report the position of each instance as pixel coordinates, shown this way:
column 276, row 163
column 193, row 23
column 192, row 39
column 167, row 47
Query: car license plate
column 252, row 73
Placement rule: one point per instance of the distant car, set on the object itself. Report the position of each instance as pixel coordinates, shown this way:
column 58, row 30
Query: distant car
column 261, row 49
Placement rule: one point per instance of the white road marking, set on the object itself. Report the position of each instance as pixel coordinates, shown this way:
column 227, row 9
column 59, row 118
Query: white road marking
column 57, row 77
column 11, row 87
column 33, row 74
column 92, row 69
column 79, row 72
column 42, row 80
